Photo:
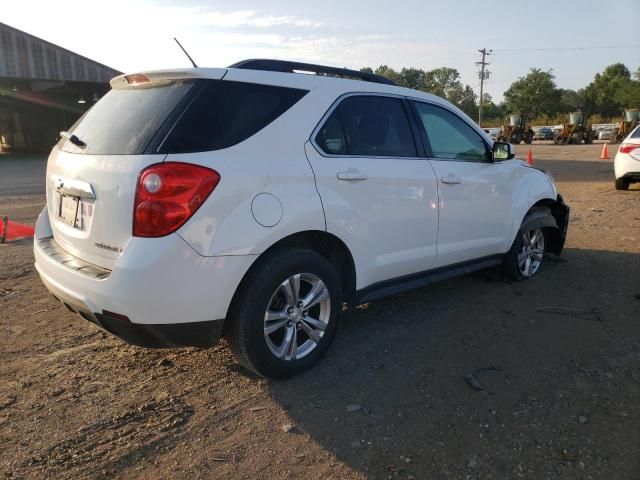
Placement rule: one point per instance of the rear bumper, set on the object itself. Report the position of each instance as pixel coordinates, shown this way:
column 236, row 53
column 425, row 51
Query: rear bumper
column 193, row 334
column 626, row 166
column 171, row 295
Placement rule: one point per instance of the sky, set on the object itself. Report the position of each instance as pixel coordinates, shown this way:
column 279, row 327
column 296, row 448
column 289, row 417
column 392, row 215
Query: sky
column 137, row 35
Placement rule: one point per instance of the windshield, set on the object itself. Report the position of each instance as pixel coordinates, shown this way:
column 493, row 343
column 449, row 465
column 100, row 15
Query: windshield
column 125, row 120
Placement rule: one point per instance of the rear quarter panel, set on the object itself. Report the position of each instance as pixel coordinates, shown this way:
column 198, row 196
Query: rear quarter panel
column 272, row 161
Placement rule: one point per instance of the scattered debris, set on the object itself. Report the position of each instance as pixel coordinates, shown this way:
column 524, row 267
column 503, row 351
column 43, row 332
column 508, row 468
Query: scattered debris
column 165, row 362
column 5, row 292
column 288, row 428
column 257, row 409
column 583, row 313
column 471, row 378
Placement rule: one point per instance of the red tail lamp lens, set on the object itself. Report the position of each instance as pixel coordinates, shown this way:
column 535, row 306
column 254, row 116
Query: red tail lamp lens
column 168, row 194
column 628, row 147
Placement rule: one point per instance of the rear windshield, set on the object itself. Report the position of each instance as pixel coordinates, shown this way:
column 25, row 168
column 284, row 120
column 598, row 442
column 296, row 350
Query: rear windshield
column 180, row 117
column 125, row 120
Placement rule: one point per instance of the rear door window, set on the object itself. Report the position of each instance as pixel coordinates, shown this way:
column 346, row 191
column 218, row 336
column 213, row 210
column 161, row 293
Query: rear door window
column 225, row 113
column 371, row 126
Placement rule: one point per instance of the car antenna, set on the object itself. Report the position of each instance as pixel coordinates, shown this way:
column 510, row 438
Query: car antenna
column 185, row 52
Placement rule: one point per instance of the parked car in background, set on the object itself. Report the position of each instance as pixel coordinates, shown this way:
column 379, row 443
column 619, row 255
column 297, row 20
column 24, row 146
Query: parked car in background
column 543, row 133
column 627, row 162
column 257, row 202
column 605, row 134
column 492, row 132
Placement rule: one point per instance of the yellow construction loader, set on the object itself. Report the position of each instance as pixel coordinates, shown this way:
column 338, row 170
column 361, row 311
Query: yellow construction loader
column 517, row 131
column 576, row 131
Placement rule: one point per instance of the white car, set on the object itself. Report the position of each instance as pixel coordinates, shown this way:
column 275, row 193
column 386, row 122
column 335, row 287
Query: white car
column 627, row 161
column 254, row 201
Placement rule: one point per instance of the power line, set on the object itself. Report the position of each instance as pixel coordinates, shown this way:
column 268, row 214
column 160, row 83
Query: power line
column 560, row 49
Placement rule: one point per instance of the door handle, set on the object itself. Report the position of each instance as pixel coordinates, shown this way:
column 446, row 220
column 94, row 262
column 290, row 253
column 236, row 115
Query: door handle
column 352, row 176
column 451, row 180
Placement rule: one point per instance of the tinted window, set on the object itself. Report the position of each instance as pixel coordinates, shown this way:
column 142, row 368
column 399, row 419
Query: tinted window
column 451, row 137
column 125, row 119
column 225, row 113
column 635, row 133
column 331, row 136
column 368, row 126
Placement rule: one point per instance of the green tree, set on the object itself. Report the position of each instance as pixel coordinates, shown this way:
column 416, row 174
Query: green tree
column 443, row 82
column 570, row 101
column 534, row 94
column 610, row 91
column 491, row 111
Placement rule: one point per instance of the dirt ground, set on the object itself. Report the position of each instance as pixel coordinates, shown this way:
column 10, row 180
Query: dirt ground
column 557, row 356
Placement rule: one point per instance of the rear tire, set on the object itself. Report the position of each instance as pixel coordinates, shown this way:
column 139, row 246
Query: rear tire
column 271, row 331
column 622, row 184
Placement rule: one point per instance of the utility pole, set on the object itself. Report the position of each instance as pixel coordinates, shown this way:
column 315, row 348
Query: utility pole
column 483, row 74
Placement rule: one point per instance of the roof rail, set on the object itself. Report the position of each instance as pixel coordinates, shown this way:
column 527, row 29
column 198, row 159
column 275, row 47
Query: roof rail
column 291, row 67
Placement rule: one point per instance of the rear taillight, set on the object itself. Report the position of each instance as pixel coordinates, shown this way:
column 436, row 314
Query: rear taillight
column 628, row 147
column 168, row 194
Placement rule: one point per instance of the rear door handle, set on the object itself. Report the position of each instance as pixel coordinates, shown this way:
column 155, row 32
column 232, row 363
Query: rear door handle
column 352, row 176
column 451, row 180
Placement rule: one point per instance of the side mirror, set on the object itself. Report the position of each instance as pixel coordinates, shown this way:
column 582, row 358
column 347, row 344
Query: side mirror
column 502, row 151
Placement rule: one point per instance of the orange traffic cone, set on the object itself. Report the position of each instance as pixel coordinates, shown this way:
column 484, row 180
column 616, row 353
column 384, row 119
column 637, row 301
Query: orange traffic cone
column 529, row 157
column 605, row 153
column 14, row 231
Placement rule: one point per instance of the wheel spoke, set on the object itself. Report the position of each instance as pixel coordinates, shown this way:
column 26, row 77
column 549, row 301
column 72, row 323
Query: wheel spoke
column 313, row 335
column 315, row 323
column 534, row 237
column 317, row 294
column 274, row 321
column 291, row 289
column 527, row 265
column 289, row 345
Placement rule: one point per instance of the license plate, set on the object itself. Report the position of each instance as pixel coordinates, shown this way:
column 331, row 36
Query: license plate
column 69, row 210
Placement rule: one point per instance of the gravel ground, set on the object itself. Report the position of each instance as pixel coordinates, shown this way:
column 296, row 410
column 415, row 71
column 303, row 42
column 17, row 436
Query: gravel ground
column 557, row 358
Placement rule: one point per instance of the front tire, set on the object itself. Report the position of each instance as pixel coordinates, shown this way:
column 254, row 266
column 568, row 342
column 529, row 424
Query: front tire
column 286, row 313
column 526, row 255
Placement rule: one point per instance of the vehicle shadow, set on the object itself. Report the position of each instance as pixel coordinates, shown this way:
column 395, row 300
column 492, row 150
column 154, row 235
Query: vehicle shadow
column 391, row 398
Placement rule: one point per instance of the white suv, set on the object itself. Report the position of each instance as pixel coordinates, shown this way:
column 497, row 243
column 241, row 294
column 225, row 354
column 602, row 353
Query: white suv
column 262, row 200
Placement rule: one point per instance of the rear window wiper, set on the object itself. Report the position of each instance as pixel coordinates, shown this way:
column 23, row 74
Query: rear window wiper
column 73, row 139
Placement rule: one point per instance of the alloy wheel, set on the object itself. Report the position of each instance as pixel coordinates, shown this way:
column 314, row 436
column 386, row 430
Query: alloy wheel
column 297, row 316
column 531, row 252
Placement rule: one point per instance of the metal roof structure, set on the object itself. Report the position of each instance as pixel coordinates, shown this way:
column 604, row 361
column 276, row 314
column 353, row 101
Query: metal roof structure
column 23, row 56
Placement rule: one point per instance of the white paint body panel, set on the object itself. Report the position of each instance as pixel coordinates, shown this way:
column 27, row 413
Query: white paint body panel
column 625, row 163
column 154, row 281
column 389, row 221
